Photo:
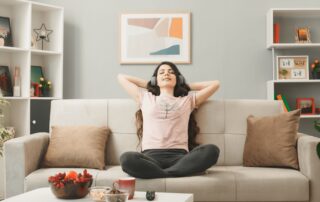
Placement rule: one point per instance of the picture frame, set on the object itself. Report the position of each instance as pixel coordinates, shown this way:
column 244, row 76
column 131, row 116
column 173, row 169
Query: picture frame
column 306, row 105
column 5, row 81
column 292, row 67
column 150, row 38
column 36, row 73
column 5, row 32
column 302, row 35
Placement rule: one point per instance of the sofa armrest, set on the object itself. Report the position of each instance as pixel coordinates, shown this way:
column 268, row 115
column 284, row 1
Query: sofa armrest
column 309, row 163
column 22, row 156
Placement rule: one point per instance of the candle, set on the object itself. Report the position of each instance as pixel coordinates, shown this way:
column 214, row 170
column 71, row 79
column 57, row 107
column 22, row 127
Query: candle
column 42, row 33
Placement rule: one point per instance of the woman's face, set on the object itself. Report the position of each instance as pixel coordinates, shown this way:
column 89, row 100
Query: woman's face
column 166, row 77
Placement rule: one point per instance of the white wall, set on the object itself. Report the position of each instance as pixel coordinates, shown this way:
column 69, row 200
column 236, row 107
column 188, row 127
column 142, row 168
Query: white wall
column 228, row 44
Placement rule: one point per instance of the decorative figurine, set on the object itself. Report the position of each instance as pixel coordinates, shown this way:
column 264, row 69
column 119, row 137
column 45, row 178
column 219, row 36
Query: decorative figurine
column 150, row 195
column 43, row 34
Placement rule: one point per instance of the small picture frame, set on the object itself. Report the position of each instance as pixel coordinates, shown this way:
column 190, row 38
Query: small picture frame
column 5, row 32
column 5, row 81
column 36, row 73
column 302, row 35
column 293, row 67
column 306, row 105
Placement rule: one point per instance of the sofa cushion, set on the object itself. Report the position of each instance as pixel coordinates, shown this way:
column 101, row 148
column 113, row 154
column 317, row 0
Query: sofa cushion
column 217, row 184
column 272, row 140
column 119, row 143
column 235, row 145
column 269, row 184
column 112, row 173
column 77, row 146
column 39, row 178
column 79, row 112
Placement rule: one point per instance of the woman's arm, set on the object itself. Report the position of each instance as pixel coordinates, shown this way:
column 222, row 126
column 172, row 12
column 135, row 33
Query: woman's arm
column 131, row 84
column 205, row 90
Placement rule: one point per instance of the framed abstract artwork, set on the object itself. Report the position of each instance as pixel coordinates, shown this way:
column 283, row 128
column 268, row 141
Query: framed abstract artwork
column 150, row 38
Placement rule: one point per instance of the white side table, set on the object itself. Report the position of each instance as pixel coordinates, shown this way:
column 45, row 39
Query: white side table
column 45, row 194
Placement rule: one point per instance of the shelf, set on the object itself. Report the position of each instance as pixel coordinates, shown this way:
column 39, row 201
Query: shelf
column 310, row 116
column 293, row 45
column 8, row 49
column 295, row 81
column 31, row 98
column 45, row 98
column 45, row 52
column 15, row 98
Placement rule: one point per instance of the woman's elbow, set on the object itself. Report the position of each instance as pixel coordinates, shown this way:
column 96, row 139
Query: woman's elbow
column 216, row 84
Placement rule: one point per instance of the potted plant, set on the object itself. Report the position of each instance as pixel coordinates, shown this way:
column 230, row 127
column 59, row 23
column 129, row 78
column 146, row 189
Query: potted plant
column 6, row 133
column 318, row 150
column 317, row 127
column 45, row 86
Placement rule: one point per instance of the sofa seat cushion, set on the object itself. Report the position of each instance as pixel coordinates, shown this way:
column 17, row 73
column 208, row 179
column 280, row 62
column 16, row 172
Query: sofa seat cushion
column 216, row 184
column 269, row 184
column 112, row 173
column 39, row 178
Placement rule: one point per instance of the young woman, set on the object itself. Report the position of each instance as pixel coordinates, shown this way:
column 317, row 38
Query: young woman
column 166, row 125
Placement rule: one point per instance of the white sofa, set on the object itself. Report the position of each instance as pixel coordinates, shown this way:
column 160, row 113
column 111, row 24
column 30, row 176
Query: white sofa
column 221, row 122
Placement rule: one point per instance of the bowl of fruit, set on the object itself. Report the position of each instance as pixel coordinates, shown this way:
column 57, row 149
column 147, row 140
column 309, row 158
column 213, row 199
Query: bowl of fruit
column 70, row 185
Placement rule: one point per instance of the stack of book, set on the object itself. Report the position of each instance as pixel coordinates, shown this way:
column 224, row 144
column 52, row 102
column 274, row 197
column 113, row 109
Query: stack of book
column 276, row 33
column 285, row 104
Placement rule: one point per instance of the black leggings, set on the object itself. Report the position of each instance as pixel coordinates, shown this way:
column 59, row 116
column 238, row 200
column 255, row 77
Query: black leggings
column 160, row 163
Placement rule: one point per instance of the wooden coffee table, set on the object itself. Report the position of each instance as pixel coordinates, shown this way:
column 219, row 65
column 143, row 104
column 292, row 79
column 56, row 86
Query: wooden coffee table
column 45, row 194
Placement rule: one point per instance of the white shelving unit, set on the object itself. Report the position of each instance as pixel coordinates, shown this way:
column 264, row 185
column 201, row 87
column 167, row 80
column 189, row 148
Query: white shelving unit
column 289, row 19
column 24, row 17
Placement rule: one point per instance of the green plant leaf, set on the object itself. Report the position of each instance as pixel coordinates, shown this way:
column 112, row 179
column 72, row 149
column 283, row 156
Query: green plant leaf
column 317, row 125
column 318, row 150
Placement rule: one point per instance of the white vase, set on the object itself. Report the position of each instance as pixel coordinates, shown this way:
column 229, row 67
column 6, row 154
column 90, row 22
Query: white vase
column 1, row 41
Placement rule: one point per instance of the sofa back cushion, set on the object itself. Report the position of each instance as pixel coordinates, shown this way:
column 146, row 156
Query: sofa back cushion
column 236, row 114
column 221, row 122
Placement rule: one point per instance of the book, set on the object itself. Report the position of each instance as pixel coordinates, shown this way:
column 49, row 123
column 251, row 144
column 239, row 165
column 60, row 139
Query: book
column 286, row 102
column 279, row 97
column 276, row 33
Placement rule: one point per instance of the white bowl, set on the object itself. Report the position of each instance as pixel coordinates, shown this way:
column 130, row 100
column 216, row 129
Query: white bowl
column 98, row 193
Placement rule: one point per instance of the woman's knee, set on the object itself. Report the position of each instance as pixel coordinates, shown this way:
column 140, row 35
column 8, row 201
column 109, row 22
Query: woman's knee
column 128, row 158
column 212, row 152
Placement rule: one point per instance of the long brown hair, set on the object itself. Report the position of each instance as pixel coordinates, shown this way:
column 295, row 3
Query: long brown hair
column 181, row 89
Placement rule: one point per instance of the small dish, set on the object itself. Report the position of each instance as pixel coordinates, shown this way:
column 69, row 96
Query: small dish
column 116, row 197
column 98, row 193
